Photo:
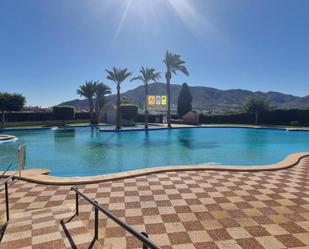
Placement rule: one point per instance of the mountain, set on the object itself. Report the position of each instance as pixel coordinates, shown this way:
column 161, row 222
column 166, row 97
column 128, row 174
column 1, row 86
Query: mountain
column 205, row 98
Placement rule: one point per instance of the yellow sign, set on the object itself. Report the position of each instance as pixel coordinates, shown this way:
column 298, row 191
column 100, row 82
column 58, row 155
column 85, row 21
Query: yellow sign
column 163, row 100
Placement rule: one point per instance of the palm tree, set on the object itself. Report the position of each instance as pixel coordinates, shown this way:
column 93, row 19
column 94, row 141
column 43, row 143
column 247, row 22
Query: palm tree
column 118, row 75
column 88, row 91
column 173, row 64
column 100, row 91
column 147, row 75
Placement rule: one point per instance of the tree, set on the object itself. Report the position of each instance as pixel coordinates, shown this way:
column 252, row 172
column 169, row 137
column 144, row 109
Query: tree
column 173, row 64
column 256, row 104
column 184, row 100
column 10, row 102
column 64, row 113
column 88, row 91
column 101, row 90
column 146, row 76
column 118, row 75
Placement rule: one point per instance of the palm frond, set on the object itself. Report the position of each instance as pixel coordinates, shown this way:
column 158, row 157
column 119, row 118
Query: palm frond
column 117, row 75
column 174, row 63
column 87, row 90
column 147, row 75
column 137, row 78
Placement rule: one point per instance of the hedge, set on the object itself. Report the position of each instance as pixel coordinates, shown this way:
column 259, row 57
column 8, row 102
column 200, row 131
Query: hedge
column 276, row 117
column 152, row 118
column 40, row 116
column 64, row 112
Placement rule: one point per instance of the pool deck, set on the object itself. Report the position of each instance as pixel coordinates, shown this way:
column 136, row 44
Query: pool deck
column 6, row 137
column 42, row 176
column 178, row 209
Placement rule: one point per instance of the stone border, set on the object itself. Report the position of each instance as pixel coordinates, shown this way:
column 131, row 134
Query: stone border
column 41, row 176
column 184, row 126
column 49, row 128
column 6, row 137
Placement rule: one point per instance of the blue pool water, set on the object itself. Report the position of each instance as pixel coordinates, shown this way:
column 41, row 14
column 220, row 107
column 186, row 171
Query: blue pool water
column 87, row 151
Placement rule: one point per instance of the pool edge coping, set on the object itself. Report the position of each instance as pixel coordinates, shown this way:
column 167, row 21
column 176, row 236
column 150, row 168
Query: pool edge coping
column 41, row 176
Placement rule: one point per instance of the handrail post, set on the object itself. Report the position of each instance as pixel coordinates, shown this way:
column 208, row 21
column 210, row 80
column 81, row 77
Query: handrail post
column 143, row 237
column 7, row 201
column 76, row 204
column 146, row 235
column 96, row 222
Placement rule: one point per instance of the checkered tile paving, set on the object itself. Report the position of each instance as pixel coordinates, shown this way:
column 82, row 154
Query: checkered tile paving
column 191, row 209
column 41, row 229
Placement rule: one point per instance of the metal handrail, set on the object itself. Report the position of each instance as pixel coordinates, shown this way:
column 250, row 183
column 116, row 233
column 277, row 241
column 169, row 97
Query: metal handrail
column 6, row 188
column 7, row 178
column 147, row 243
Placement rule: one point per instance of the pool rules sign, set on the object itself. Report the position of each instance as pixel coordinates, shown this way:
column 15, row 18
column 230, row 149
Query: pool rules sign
column 157, row 102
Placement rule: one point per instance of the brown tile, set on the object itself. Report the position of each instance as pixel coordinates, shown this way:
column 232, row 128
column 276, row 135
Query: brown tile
column 114, row 232
column 155, row 228
column 257, row 231
column 206, row 245
column 219, row 234
column 193, row 226
column 167, row 218
column 289, row 241
column 179, row 238
column 249, row 243
column 293, row 228
column 228, row 222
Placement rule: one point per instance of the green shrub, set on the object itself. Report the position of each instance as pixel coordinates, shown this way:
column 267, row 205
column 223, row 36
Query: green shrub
column 64, row 113
column 275, row 117
column 10, row 102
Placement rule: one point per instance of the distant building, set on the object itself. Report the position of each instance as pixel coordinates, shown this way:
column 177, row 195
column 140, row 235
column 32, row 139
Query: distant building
column 109, row 114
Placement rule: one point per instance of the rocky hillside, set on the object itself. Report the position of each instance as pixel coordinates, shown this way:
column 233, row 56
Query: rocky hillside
column 206, row 98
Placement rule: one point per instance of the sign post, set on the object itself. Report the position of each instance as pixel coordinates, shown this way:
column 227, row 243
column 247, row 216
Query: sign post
column 21, row 157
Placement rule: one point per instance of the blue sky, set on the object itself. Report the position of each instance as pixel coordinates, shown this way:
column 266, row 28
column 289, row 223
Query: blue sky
column 48, row 48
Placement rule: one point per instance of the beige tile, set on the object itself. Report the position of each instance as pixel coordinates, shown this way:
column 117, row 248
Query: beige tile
column 199, row 236
column 238, row 233
column 228, row 244
column 270, row 242
column 174, row 227
column 45, row 238
column 275, row 229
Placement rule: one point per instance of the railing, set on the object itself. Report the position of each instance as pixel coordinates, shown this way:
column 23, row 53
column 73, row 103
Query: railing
column 6, row 188
column 143, row 237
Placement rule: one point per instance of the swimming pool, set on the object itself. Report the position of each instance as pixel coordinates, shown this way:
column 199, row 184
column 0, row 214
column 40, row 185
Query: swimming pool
column 87, row 151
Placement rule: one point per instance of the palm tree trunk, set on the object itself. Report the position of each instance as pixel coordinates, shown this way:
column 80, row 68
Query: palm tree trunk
column 168, row 85
column 256, row 118
column 146, row 107
column 91, row 111
column 118, row 118
column 3, row 119
column 97, row 114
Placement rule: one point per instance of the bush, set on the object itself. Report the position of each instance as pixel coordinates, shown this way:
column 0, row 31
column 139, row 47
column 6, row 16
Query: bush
column 158, row 118
column 39, row 116
column 129, row 112
column 276, row 117
column 64, row 113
